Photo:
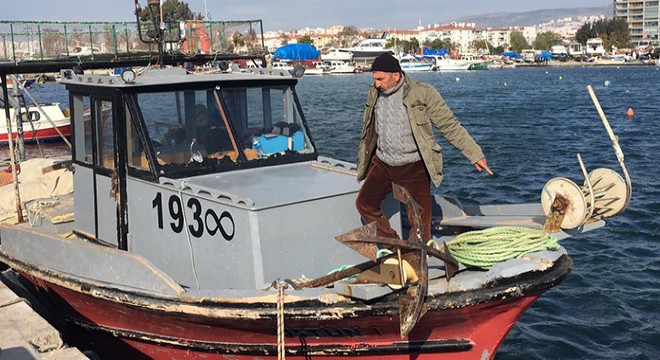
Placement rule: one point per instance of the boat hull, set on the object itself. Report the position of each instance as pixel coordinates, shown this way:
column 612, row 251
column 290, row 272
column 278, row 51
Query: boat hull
column 45, row 134
column 46, row 121
column 458, row 325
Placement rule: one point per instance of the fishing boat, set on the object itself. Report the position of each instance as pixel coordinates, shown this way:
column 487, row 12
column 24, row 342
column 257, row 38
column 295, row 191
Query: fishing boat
column 410, row 63
column 198, row 230
column 446, row 63
column 339, row 67
column 40, row 121
column 208, row 226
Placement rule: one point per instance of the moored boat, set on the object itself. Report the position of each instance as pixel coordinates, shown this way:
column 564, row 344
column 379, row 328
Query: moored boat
column 186, row 255
column 410, row 63
column 368, row 49
column 36, row 125
column 208, row 226
column 446, row 63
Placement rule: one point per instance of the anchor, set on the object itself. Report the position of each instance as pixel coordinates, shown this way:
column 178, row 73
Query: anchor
column 413, row 251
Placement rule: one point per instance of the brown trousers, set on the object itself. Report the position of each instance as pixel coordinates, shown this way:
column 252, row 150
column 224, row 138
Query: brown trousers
column 378, row 184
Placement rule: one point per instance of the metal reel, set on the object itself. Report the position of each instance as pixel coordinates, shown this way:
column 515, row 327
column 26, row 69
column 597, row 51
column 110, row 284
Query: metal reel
column 578, row 209
column 610, row 192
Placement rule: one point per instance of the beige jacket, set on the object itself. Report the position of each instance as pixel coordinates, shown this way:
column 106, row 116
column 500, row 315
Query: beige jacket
column 425, row 108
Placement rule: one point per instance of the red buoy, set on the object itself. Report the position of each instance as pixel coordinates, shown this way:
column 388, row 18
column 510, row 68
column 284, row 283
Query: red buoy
column 630, row 112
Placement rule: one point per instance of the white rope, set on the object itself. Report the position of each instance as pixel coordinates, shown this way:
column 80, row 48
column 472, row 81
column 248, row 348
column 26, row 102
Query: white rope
column 182, row 187
column 35, row 210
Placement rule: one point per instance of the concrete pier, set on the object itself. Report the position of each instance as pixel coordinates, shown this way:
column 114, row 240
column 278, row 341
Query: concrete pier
column 25, row 335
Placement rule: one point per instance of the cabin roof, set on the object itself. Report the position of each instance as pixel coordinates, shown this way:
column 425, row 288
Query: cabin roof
column 168, row 77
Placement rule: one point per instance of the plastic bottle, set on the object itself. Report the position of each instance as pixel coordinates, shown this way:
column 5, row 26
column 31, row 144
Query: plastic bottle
column 257, row 145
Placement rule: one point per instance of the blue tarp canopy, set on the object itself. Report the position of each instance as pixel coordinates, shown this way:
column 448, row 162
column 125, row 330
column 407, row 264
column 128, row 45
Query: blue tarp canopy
column 297, row 52
column 440, row 52
column 543, row 55
column 512, row 55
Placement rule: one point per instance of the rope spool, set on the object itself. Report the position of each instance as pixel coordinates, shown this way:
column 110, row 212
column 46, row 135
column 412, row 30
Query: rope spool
column 605, row 186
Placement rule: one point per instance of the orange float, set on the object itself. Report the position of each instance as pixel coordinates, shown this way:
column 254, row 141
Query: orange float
column 201, row 42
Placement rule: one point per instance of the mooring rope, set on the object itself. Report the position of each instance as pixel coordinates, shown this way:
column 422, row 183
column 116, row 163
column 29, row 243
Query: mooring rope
column 485, row 248
column 281, row 349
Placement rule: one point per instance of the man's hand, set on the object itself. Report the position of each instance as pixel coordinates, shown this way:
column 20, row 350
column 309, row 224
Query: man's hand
column 481, row 165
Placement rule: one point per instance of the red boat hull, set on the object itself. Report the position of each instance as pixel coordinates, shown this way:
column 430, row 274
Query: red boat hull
column 470, row 332
column 48, row 134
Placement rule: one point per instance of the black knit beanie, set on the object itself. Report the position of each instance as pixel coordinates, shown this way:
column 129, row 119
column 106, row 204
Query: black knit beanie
column 386, row 63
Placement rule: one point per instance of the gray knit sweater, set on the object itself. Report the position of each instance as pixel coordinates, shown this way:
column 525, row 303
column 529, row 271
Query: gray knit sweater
column 396, row 145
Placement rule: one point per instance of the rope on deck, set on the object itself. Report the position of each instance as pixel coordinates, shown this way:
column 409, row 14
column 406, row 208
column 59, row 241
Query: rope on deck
column 485, row 248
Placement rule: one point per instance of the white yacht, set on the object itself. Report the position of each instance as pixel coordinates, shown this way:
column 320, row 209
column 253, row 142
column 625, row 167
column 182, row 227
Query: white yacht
column 337, row 55
column 368, row 49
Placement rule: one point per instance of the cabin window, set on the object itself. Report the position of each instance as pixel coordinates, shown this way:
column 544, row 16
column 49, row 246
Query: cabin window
column 105, row 134
column 222, row 126
column 267, row 121
column 83, row 140
column 137, row 158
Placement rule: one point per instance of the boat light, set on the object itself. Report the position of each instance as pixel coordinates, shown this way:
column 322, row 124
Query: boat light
column 128, row 76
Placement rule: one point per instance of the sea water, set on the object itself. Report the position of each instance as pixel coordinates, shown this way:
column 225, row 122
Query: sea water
column 531, row 123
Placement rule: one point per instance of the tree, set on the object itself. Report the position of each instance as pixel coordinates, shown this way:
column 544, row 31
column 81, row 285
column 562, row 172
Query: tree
column 348, row 35
column 306, row 40
column 284, row 39
column 439, row 44
column 173, row 10
column 611, row 31
column 518, row 41
column 545, row 40
column 480, row 44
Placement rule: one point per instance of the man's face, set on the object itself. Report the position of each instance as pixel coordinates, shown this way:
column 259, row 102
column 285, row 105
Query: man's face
column 385, row 81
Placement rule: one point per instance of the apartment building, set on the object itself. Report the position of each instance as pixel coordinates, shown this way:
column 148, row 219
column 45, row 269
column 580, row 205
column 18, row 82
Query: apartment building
column 642, row 17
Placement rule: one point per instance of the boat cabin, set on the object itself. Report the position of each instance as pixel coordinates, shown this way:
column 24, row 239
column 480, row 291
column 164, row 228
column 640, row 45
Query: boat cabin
column 206, row 175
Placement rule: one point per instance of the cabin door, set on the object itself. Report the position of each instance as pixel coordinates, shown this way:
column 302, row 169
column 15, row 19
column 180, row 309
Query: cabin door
column 105, row 170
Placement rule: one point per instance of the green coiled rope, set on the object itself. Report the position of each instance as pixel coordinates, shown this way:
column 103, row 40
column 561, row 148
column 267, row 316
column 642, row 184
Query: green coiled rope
column 485, row 248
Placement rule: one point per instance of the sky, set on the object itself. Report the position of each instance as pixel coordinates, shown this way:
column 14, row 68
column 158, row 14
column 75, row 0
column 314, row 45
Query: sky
column 292, row 14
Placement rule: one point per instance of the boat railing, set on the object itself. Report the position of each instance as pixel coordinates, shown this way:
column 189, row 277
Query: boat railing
column 207, row 192
column 49, row 40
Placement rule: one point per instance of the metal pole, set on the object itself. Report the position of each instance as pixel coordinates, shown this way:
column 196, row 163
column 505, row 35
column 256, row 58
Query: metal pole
column 10, row 135
column 41, row 48
column 66, row 41
column 114, row 40
column 4, row 45
column 91, row 41
column 127, row 41
column 13, row 44
column 18, row 114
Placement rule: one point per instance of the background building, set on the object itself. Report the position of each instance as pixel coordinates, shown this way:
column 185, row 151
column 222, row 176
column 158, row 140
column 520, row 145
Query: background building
column 642, row 17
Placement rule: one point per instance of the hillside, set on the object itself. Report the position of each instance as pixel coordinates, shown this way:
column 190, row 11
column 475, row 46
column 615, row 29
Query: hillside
column 502, row 20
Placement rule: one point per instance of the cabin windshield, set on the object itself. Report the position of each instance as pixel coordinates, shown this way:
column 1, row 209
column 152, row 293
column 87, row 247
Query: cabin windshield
column 223, row 127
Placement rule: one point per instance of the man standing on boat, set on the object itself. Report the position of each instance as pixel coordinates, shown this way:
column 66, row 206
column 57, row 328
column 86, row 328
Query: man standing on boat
column 398, row 145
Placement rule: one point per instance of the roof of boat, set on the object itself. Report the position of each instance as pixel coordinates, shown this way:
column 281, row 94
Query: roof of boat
column 172, row 76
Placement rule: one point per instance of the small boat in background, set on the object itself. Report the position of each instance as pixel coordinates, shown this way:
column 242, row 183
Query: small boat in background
column 410, row 63
column 339, row 67
column 446, row 63
column 36, row 124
